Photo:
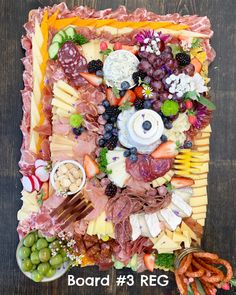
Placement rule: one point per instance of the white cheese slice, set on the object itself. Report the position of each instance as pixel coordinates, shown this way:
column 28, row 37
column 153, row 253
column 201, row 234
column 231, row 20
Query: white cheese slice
column 60, row 94
column 67, row 88
column 115, row 155
column 183, row 209
column 118, row 176
column 185, row 193
column 170, row 219
column 136, row 230
column 153, row 224
column 143, row 225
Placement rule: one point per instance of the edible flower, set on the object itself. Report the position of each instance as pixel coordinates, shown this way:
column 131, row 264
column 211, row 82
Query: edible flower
column 147, row 91
column 170, row 108
column 149, row 41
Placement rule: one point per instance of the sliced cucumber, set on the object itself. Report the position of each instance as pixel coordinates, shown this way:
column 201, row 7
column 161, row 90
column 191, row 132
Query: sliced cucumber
column 70, row 32
column 58, row 38
column 63, row 34
column 53, row 50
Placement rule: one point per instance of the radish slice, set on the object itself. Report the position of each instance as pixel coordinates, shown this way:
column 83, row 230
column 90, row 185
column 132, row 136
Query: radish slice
column 28, row 183
column 42, row 173
column 39, row 163
column 37, row 182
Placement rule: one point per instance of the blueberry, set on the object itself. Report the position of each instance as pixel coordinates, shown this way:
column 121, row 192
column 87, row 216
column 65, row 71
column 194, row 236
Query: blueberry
column 147, row 125
column 101, row 142
column 108, row 127
column 133, row 150
column 147, row 104
column 113, row 119
column 188, row 144
column 99, row 73
column 164, row 138
column 115, row 131
column 147, row 80
column 122, row 92
column 105, row 103
column 82, row 129
column 125, row 85
column 77, row 131
column 107, row 135
column 133, row 158
column 168, row 124
column 126, row 153
column 105, row 116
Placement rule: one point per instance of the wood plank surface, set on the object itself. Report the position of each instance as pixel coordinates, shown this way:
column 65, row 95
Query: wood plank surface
column 221, row 219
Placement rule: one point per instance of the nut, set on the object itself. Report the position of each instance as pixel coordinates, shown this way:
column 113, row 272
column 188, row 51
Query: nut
column 78, row 182
column 65, row 182
column 69, row 166
column 62, row 169
column 73, row 187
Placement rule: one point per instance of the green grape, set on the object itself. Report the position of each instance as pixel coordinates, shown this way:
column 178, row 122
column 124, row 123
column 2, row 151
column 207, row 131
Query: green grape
column 29, row 240
column 41, row 243
column 40, row 235
column 34, row 248
column 55, row 245
column 50, row 273
column 56, row 266
column 36, row 235
column 63, row 253
column 34, row 267
column 36, row 276
column 26, row 265
column 56, row 260
column 50, row 239
column 43, row 268
column 24, row 252
column 44, row 254
column 35, row 257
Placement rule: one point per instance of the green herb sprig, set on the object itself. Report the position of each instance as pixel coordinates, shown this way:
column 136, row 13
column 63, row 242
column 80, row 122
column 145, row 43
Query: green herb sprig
column 102, row 161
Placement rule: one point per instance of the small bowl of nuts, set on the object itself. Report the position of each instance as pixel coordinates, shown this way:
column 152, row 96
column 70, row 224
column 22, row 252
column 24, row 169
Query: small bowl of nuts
column 68, row 177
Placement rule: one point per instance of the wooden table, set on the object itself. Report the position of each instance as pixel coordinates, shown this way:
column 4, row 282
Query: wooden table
column 220, row 226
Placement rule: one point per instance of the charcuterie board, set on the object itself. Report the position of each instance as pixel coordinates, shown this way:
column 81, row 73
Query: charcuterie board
column 115, row 152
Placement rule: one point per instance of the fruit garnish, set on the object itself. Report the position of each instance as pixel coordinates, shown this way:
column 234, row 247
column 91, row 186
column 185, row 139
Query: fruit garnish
column 76, row 120
column 179, row 182
column 183, row 58
column 90, row 166
column 113, row 100
column 197, row 64
column 43, row 194
column 192, row 118
column 95, row 65
column 149, row 261
column 166, row 150
column 139, row 91
column 170, row 108
column 92, row 79
column 189, row 104
column 111, row 190
column 103, row 45
column 129, row 96
column 139, row 104
column 138, row 76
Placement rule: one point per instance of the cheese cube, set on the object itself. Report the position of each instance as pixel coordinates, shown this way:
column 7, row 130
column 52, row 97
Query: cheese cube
column 158, row 182
column 197, row 216
column 177, row 237
column 200, row 183
column 169, row 234
column 90, row 228
column 185, row 227
column 201, row 142
column 187, row 240
column 67, row 88
column 204, row 148
column 199, row 176
column 61, row 95
column 199, row 191
column 201, row 221
column 198, row 201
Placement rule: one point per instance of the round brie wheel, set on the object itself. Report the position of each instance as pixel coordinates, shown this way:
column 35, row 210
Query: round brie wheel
column 119, row 67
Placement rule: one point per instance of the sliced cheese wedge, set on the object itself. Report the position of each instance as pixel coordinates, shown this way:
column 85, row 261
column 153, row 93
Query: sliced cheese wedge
column 199, row 209
column 171, row 220
column 180, row 206
column 153, row 224
column 199, row 191
column 67, row 88
column 136, row 230
column 198, row 201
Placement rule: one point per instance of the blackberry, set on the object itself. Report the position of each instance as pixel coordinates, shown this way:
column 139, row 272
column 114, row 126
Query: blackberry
column 138, row 104
column 137, row 75
column 111, row 190
column 95, row 65
column 112, row 112
column 183, row 59
column 111, row 143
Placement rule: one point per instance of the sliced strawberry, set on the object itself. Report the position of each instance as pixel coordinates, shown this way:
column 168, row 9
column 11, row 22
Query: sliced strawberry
column 133, row 49
column 139, row 91
column 113, row 100
column 92, row 79
column 90, row 166
column 165, row 150
column 178, row 182
column 149, row 261
column 129, row 96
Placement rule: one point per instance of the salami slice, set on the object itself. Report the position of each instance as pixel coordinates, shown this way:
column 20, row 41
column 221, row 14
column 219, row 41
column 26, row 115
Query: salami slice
column 147, row 169
column 68, row 53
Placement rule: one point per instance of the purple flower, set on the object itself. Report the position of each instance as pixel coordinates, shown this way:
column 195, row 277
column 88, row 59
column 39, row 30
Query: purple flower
column 146, row 34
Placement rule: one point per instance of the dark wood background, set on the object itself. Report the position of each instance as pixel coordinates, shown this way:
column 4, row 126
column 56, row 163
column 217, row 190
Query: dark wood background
column 220, row 226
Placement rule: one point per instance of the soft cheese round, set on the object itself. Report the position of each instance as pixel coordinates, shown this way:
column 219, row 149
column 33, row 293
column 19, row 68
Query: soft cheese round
column 119, row 67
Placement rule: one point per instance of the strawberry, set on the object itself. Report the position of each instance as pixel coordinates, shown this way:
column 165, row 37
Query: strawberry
column 226, row 286
column 149, row 261
column 129, row 96
column 192, row 119
column 92, row 79
column 165, row 150
column 90, row 167
column 139, row 91
column 43, row 194
column 117, row 46
column 132, row 49
column 178, row 182
column 113, row 100
column 103, row 45
column 189, row 104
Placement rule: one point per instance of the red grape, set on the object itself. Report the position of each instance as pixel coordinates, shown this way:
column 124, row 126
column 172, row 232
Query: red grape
column 144, row 65
column 143, row 54
column 159, row 74
column 158, row 63
column 189, row 70
column 164, row 96
column 157, row 85
column 156, row 106
column 152, row 58
column 168, row 49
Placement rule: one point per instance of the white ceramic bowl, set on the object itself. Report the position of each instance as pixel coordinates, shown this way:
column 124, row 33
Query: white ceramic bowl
column 59, row 273
column 58, row 164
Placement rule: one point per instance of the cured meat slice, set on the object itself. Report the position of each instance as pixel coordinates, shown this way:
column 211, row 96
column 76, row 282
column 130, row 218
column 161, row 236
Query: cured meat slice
column 147, row 169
